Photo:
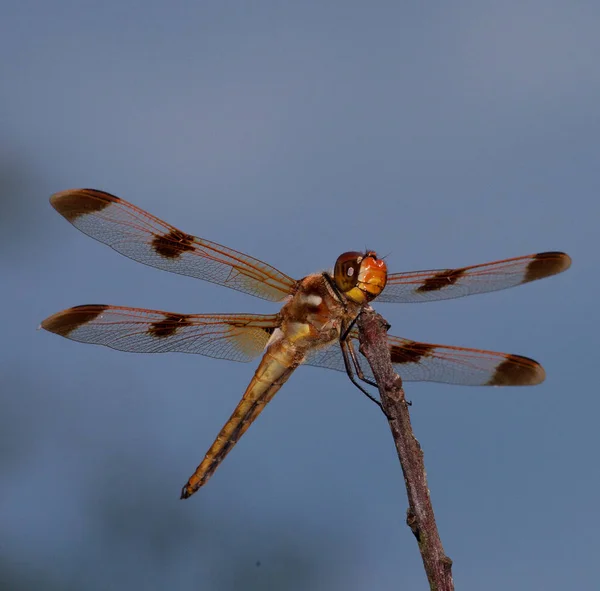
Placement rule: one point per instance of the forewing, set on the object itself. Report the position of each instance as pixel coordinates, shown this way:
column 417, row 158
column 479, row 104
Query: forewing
column 147, row 239
column 238, row 337
column 442, row 284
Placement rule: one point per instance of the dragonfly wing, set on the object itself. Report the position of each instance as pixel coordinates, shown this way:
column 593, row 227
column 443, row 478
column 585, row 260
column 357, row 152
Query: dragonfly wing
column 331, row 357
column 443, row 284
column 147, row 239
column 424, row 362
column 237, row 337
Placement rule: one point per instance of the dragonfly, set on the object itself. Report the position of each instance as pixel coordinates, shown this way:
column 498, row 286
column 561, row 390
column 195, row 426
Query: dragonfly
column 315, row 325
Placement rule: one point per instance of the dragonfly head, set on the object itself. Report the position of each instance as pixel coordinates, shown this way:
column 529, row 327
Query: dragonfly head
column 360, row 276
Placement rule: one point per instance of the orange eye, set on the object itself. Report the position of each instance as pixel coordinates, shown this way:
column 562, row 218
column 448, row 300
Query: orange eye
column 347, row 267
column 361, row 277
column 373, row 276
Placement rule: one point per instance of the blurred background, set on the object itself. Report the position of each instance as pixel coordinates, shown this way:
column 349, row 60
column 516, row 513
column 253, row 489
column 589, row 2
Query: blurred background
column 440, row 135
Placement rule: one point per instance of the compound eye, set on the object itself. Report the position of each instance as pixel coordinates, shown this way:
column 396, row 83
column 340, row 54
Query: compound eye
column 345, row 273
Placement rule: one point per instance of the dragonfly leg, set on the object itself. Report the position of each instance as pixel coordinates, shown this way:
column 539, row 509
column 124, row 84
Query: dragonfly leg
column 355, row 361
column 361, row 375
column 358, row 368
column 345, row 345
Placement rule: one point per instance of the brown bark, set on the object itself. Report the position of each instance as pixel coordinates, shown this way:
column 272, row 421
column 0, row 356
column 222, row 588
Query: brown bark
column 420, row 517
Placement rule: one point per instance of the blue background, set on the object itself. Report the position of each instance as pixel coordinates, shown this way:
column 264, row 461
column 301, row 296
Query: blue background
column 442, row 135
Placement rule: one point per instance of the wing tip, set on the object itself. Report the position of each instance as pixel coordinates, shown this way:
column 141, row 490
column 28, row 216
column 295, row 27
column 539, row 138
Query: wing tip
column 65, row 322
column 546, row 264
column 517, row 370
column 74, row 203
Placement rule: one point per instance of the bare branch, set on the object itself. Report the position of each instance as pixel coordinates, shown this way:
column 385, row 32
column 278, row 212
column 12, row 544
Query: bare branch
column 420, row 517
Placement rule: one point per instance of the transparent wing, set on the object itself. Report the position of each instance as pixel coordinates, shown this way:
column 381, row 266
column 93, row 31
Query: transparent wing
column 238, row 337
column 331, row 357
column 442, row 284
column 147, row 239
column 425, row 362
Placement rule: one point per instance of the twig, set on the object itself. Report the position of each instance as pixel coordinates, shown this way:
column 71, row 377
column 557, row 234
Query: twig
column 420, row 517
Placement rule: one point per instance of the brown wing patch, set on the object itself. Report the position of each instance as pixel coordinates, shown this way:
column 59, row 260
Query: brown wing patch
column 411, row 352
column 441, row 280
column 74, row 203
column 173, row 244
column 546, row 264
column 516, row 370
column 169, row 325
column 65, row 322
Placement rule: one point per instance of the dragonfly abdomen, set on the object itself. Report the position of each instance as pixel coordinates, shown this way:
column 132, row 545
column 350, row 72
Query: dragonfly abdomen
column 276, row 366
